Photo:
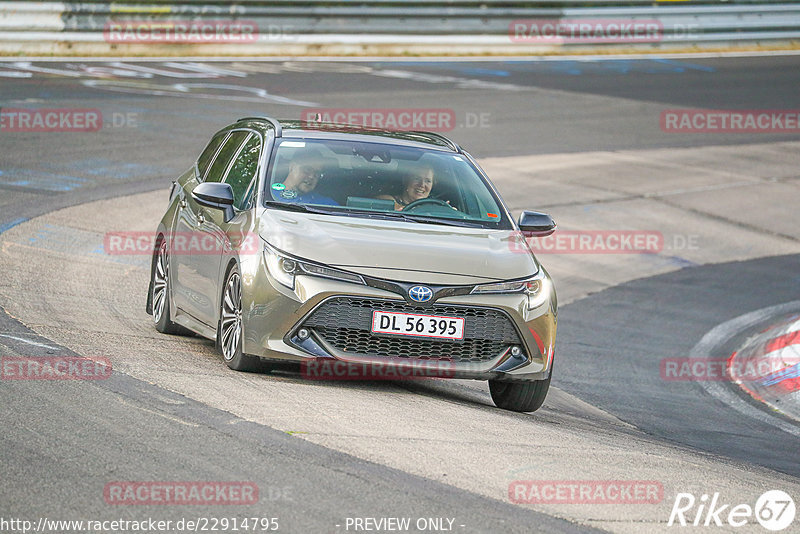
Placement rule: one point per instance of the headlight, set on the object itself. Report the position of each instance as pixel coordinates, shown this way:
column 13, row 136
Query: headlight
column 536, row 287
column 284, row 268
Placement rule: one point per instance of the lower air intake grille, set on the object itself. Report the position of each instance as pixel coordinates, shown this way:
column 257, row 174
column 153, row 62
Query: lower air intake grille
column 344, row 323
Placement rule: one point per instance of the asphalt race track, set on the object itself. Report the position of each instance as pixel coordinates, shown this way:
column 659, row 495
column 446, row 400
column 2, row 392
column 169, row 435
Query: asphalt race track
column 579, row 138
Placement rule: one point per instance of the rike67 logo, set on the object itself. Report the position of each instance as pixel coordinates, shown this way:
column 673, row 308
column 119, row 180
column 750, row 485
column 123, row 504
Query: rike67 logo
column 774, row 510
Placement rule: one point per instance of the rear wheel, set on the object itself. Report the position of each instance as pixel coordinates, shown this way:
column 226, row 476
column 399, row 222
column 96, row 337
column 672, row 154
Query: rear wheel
column 229, row 329
column 160, row 294
column 519, row 396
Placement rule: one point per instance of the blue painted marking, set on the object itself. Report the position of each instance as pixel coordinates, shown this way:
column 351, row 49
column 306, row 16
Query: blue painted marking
column 779, row 376
column 42, row 180
column 77, row 242
column 623, row 66
column 102, row 167
column 41, row 234
column 683, row 65
column 485, row 72
column 464, row 69
column 607, row 66
column 11, row 224
column 54, row 180
column 566, row 67
column 680, row 262
column 125, row 170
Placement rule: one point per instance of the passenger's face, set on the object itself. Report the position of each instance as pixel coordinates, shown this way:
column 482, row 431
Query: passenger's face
column 419, row 186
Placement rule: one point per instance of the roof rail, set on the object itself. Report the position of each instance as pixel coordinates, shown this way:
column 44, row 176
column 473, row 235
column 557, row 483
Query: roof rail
column 274, row 122
column 452, row 144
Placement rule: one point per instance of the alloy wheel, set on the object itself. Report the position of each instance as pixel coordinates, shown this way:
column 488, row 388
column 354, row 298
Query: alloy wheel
column 160, row 280
column 231, row 325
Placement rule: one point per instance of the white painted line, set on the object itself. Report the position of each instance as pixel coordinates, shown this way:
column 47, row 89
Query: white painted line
column 236, row 93
column 29, row 342
column 14, row 74
column 789, row 355
column 160, row 414
column 30, row 7
column 794, row 327
column 444, row 59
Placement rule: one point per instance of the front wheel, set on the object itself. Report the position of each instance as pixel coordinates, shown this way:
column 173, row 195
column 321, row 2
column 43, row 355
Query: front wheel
column 229, row 329
column 519, row 396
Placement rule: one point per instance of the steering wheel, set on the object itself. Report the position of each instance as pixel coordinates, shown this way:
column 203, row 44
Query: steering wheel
column 428, row 200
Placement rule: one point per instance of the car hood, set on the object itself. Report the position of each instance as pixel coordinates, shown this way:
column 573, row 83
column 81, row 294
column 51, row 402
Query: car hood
column 396, row 250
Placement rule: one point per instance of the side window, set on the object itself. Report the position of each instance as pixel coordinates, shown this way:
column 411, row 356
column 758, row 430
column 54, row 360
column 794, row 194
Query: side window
column 243, row 171
column 205, row 158
column 217, row 170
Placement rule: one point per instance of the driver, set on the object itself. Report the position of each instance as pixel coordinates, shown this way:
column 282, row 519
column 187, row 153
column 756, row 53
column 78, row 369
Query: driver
column 305, row 171
column 416, row 186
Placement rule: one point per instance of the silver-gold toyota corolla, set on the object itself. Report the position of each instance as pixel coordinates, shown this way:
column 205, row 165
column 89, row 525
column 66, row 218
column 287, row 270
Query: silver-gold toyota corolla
column 356, row 252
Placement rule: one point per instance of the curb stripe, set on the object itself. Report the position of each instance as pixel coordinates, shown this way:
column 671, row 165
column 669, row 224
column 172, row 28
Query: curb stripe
column 781, row 342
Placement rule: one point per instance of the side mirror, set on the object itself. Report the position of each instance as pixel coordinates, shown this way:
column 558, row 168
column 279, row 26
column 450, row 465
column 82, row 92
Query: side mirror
column 215, row 195
column 536, row 224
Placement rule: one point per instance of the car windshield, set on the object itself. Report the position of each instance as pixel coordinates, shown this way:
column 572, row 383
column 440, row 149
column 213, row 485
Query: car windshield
column 381, row 180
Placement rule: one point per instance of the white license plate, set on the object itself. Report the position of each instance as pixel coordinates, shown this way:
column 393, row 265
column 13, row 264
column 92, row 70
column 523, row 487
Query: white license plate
column 412, row 324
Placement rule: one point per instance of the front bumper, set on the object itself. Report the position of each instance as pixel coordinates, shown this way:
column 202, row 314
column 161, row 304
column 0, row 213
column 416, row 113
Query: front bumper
column 335, row 319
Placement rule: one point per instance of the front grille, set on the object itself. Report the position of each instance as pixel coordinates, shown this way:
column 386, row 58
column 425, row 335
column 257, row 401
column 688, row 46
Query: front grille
column 345, row 322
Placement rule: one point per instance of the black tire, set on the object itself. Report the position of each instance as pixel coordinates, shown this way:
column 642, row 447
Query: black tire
column 519, row 396
column 160, row 291
column 229, row 335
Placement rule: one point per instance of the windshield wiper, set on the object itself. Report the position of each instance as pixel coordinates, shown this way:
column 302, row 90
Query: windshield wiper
column 444, row 221
column 296, row 207
column 386, row 215
column 421, row 219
